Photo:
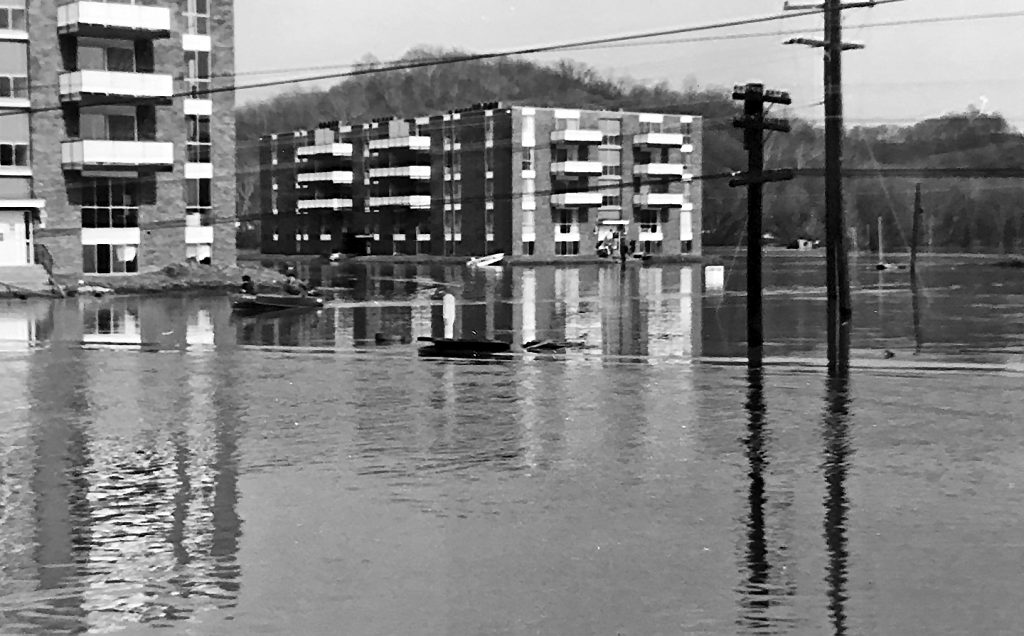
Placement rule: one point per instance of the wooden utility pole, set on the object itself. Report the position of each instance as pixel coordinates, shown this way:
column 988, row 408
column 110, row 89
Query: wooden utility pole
column 837, row 277
column 754, row 123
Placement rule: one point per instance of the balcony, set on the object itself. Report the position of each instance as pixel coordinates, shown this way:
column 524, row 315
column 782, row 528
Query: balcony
column 337, row 176
column 578, row 136
column 660, row 200
column 674, row 140
column 577, row 168
column 671, row 170
column 324, row 204
column 85, row 85
column 566, row 199
column 331, row 150
column 114, row 20
column 414, row 201
column 404, row 172
column 88, row 154
column 407, row 143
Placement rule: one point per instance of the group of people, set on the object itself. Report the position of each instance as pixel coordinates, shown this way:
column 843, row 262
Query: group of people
column 291, row 286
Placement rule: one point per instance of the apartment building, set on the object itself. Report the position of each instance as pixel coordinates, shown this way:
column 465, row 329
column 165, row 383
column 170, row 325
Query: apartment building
column 114, row 157
column 534, row 183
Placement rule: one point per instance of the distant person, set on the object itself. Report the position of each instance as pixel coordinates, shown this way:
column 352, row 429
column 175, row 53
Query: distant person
column 248, row 287
column 294, row 286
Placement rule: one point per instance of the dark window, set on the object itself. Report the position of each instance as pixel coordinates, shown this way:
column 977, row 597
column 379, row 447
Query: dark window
column 528, row 247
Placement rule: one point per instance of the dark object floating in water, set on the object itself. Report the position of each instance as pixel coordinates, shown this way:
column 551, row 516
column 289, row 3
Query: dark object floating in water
column 455, row 347
column 271, row 302
column 381, row 339
column 889, row 354
column 888, row 267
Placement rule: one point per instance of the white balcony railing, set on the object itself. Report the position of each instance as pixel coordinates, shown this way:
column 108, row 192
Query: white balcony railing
column 412, row 143
column 113, row 18
column 408, row 172
column 324, row 204
column 337, row 176
column 578, row 136
column 576, row 198
column 335, row 150
column 135, row 85
column 577, row 167
column 676, row 170
column 101, row 153
column 659, row 139
column 659, row 200
column 414, row 201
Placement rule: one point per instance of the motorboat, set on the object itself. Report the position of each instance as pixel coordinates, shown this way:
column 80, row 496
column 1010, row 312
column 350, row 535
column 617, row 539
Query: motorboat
column 271, row 302
column 461, row 348
column 486, row 261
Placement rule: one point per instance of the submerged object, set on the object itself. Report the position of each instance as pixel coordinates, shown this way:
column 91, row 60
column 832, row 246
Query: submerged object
column 271, row 302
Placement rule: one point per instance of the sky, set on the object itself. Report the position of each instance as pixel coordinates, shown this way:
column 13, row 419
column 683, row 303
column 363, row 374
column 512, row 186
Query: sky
column 906, row 73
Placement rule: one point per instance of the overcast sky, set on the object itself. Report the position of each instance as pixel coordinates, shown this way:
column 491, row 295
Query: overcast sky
column 907, row 72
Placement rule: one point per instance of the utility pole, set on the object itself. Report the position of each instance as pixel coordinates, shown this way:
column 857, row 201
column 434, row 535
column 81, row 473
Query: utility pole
column 837, row 278
column 754, row 123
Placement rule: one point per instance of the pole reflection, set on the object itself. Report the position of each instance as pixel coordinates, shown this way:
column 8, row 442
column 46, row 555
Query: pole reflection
column 915, row 299
column 756, row 592
column 835, row 469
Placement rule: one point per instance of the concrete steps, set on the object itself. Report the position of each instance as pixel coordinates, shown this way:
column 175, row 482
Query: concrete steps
column 29, row 278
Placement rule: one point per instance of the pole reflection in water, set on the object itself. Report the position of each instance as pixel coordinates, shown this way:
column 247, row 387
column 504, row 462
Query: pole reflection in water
column 836, row 465
column 915, row 299
column 756, row 592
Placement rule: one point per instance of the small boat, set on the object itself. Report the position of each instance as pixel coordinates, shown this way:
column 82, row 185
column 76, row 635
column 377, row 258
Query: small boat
column 486, row 261
column 271, row 302
column 456, row 347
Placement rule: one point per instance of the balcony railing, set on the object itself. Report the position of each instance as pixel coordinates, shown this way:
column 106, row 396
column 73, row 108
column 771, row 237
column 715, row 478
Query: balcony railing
column 659, row 139
column 675, row 170
column 84, row 84
column 337, row 176
column 659, row 200
column 411, row 143
column 324, row 204
column 335, row 150
column 406, row 172
column 577, row 167
column 113, row 19
column 414, row 201
column 577, row 136
column 565, row 199
column 104, row 153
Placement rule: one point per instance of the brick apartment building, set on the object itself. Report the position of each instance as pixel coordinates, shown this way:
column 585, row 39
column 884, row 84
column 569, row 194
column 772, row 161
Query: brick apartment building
column 534, row 183
column 112, row 156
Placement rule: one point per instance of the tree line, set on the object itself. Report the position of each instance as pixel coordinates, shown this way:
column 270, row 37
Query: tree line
column 980, row 213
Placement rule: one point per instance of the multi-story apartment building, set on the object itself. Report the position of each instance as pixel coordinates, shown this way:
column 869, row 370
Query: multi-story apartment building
column 534, row 183
column 114, row 155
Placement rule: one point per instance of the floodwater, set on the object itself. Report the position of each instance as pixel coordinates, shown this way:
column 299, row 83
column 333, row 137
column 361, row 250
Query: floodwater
column 165, row 467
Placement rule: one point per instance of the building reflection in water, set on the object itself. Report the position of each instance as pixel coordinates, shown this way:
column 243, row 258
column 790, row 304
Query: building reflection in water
column 25, row 324
column 836, row 465
column 126, row 509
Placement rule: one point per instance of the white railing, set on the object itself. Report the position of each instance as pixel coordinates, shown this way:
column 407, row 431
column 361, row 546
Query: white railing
column 577, row 167
column 198, row 235
column 133, row 17
column 415, row 201
column 324, row 204
column 677, row 170
column 116, row 83
column 335, row 149
column 659, row 139
column 578, row 136
column 337, row 176
column 660, row 200
column 103, row 152
column 410, row 172
column 577, row 198
column 413, row 143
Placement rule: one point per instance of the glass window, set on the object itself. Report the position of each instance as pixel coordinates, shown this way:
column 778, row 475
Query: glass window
column 611, row 161
column 650, row 127
column 527, row 158
column 529, row 126
column 489, row 189
column 563, row 123
column 611, row 132
column 13, row 86
column 13, row 154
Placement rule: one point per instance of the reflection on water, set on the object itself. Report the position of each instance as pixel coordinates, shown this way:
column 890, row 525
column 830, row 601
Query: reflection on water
column 838, row 456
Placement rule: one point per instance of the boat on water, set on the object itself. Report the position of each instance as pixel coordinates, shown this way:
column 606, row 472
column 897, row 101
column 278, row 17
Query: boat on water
column 254, row 303
column 486, row 261
column 462, row 348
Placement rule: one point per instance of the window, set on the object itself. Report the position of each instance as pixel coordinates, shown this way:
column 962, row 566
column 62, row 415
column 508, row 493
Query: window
column 110, row 203
column 529, row 192
column 527, row 158
column 528, row 248
column 113, row 57
column 686, row 247
column 650, row 127
column 611, row 162
column 457, row 162
column 650, row 247
column 563, row 123
column 458, row 225
column 611, row 197
column 105, row 125
column 110, row 259
column 13, row 154
column 12, row 18
column 687, row 192
column 199, row 252
column 14, row 86
column 198, row 201
column 489, row 128
column 529, row 222
column 611, row 132
column 457, row 191
column 565, row 221
column 567, row 248
column 197, row 76
column 489, row 160
column 489, row 190
column 197, row 14
column 649, row 221
column 687, row 130
column 489, row 225
column 529, row 130
column 198, row 142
